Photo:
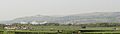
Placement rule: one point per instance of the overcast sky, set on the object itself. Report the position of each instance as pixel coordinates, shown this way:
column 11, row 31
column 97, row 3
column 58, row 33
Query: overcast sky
column 10, row 9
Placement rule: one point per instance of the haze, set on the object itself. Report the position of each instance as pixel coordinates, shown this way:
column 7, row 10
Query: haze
column 10, row 9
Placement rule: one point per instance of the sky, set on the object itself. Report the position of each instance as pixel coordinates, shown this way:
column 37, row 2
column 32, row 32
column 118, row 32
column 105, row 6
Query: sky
column 10, row 9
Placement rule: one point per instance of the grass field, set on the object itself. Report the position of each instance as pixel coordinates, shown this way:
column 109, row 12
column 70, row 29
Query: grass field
column 48, row 28
column 64, row 29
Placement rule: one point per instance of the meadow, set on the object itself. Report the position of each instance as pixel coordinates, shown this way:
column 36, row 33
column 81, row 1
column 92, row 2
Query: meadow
column 63, row 30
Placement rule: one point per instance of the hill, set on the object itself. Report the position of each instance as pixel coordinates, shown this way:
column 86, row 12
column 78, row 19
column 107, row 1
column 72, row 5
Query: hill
column 97, row 17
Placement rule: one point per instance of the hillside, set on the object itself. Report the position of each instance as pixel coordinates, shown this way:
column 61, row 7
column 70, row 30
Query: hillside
column 97, row 17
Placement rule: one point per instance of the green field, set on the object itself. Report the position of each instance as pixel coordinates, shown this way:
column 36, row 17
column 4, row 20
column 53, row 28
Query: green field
column 64, row 29
column 48, row 28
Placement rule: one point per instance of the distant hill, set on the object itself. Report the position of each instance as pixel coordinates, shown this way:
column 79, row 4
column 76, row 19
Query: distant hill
column 97, row 17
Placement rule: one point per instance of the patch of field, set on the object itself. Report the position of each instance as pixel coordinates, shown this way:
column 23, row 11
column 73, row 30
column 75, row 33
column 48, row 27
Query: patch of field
column 99, row 28
column 65, row 29
column 49, row 28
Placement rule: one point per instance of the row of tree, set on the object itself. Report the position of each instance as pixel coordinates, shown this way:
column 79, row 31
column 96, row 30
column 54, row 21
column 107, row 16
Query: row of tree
column 87, row 24
column 57, row 24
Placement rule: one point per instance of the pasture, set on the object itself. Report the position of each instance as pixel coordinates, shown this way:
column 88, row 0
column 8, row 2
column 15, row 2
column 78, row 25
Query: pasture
column 63, row 30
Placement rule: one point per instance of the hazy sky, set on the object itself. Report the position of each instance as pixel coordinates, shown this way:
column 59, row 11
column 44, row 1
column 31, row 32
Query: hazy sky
column 10, row 9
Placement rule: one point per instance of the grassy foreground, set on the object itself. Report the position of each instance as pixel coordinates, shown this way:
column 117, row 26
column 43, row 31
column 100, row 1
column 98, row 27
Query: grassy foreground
column 64, row 29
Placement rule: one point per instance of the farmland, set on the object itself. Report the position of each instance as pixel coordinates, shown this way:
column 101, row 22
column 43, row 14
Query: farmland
column 63, row 29
column 100, row 28
column 44, row 30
